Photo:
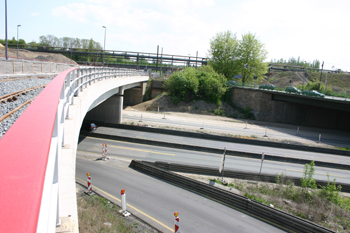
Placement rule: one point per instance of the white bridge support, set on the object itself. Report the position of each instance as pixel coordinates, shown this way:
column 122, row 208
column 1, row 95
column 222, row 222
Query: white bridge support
column 110, row 91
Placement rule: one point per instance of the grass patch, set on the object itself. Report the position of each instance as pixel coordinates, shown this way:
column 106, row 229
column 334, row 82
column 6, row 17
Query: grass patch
column 97, row 214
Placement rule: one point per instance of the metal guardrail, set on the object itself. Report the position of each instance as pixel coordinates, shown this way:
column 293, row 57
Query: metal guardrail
column 279, row 218
column 235, row 174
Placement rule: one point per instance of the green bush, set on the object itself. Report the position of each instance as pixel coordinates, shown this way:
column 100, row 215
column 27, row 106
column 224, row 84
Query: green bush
column 202, row 83
column 308, row 181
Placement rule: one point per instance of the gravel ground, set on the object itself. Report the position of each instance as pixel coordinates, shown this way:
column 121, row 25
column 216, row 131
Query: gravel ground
column 13, row 86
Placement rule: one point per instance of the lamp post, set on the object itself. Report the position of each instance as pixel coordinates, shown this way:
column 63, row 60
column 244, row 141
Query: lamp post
column 6, row 45
column 17, row 39
column 290, row 81
column 104, row 47
column 256, row 74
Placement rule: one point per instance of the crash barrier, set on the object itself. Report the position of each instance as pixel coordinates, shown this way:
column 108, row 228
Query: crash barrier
column 228, row 139
column 275, row 216
column 218, row 151
column 19, row 66
column 40, row 132
column 244, row 175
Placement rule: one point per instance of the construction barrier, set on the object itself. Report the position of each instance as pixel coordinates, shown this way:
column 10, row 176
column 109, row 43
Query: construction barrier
column 123, row 210
column 89, row 184
column 177, row 222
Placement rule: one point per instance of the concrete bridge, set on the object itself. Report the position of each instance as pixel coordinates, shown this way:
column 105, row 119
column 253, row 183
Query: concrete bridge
column 37, row 166
column 38, row 152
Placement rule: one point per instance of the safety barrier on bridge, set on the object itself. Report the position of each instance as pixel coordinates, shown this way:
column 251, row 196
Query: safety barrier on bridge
column 30, row 152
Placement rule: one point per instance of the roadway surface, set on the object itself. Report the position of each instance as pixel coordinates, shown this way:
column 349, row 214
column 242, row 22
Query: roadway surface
column 230, row 126
column 230, row 146
column 155, row 201
column 128, row 150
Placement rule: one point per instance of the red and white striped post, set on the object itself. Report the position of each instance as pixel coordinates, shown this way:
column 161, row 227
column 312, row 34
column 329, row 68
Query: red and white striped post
column 89, row 184
column 177, row 223
column 140, row 119
column 105, row 150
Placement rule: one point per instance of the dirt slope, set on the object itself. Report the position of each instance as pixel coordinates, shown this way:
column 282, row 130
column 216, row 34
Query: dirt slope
column 25, row 54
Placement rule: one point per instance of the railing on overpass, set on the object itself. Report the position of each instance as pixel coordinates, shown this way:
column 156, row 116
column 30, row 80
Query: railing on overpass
column 30, row 152
column 139, row 58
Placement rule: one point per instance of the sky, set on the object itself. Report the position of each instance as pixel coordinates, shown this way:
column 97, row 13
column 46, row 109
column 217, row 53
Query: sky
column 307, row 28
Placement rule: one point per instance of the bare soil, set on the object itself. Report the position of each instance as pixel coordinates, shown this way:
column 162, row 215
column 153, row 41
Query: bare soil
column 25, row 54
column 165, row 104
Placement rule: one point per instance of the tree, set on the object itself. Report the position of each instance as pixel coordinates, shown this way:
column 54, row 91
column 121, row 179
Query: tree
column 228, row 55
column 253, row 53
column 223, row 52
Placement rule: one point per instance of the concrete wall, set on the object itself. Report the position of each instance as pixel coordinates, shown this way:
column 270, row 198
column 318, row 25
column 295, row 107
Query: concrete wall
column 267, row 109
column 135, row 95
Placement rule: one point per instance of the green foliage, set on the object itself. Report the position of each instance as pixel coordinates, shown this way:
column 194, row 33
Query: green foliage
column 308, row 181
column 223, row 52
column 228, row 55
column 181, row 87
column 298, row 62
column 331, row 192
column 202, row 83
column 13, row 42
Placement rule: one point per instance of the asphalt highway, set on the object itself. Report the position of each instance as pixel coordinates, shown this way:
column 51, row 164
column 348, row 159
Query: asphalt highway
column 156, row 201
column 231, row 146
column 154, row 153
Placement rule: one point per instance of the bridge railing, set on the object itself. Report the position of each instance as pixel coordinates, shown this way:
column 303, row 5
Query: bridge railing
column 31, row 148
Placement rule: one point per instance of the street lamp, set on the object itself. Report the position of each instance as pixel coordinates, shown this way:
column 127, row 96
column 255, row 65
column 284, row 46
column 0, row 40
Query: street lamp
column 290, row 81
column 104, row 47
column 256, row 74
column 17, row 39
column 6, row 45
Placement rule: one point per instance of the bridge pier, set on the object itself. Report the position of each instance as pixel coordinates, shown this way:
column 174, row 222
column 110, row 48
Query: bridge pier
column 110, row 111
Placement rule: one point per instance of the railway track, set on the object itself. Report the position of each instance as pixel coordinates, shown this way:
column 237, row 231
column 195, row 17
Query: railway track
column 13, row 96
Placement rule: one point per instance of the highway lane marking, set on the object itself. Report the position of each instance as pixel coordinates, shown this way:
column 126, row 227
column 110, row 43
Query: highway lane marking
column 132, row 207
column 315, row 173
column 100, row 154
column 111, row 140
column 126, row 148
column 203, row 152
column 170, row 141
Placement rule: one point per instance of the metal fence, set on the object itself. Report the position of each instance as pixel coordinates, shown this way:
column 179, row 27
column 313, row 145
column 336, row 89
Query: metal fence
column 19, row 67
